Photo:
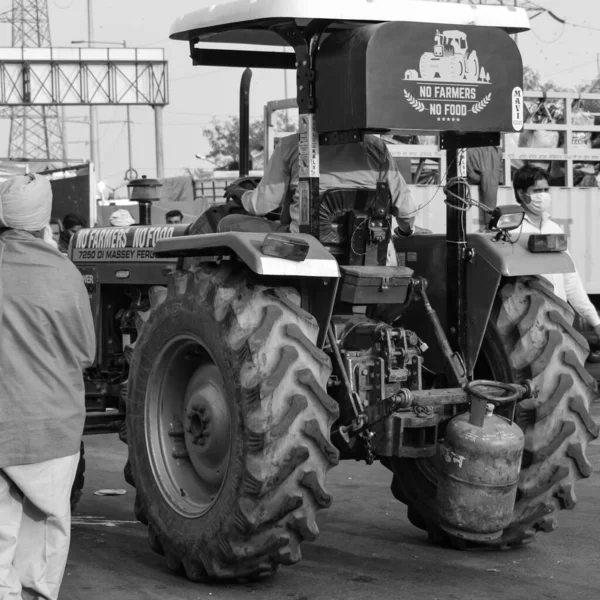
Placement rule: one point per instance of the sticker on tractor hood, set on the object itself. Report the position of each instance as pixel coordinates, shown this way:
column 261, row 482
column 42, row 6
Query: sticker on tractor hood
column 452, row 81
column 123, row 237
column 461, row 79
column 121, row 243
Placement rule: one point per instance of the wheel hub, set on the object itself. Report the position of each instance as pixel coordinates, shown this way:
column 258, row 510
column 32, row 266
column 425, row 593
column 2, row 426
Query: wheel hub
column 199, row 424
column 207, row 424
column 188, row 426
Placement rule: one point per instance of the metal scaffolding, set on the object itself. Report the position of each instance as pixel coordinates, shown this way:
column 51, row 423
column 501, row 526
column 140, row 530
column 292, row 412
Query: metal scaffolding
column 35, row 131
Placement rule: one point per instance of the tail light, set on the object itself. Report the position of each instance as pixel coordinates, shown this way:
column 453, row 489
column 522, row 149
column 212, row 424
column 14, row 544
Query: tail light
column 547, row 242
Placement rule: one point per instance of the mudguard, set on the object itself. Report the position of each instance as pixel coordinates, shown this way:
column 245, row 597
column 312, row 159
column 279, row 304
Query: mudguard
column 247, row 247
column 489, row 262
column 512, row 259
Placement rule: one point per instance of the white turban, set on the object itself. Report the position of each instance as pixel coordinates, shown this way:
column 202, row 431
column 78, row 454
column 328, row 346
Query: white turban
column 121, row 218
column 25, row 202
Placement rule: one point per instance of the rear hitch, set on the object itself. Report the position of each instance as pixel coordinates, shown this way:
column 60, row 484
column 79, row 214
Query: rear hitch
column 480, row 392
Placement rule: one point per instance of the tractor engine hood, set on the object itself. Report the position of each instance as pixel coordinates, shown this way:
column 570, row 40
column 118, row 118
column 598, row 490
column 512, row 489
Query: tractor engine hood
column 419, row 77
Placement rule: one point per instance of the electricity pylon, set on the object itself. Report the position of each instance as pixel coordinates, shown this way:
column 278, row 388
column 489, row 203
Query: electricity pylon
column 35, row 131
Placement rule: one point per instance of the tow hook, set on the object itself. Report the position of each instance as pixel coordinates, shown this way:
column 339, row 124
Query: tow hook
column 479, row 392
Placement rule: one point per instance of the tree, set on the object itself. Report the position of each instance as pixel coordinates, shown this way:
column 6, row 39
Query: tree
column 224, row 139
column 532, row 82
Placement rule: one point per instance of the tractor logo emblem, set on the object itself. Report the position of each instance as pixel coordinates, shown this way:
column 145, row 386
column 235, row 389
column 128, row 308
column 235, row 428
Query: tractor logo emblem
column 451, row 80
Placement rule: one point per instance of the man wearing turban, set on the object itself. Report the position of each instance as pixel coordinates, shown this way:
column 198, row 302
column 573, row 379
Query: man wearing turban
column 121, row 218
column 46, row 341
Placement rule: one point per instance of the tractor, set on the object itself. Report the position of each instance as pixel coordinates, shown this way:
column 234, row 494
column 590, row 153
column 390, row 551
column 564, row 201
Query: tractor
column 240, row 368
column 451, row 59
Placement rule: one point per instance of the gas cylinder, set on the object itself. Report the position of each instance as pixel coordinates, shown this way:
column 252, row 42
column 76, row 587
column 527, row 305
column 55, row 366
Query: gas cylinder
column 479, row 462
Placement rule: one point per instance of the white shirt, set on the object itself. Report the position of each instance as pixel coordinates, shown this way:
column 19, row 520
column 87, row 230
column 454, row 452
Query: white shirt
column 567, row 286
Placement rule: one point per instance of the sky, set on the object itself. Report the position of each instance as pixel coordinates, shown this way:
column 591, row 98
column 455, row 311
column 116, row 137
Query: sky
column 566, row 54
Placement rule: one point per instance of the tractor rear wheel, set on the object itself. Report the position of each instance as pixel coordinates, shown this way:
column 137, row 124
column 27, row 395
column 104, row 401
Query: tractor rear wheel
column 228, row 424
column 530, row 336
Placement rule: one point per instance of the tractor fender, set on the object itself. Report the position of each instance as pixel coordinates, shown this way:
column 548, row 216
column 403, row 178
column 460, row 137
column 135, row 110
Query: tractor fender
column 490, row 261
column 513, row 259
column 247, row 247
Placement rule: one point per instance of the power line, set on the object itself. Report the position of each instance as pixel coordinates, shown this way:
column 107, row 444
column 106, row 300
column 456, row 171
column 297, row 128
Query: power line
column 573, row 67
column 199, row 74
column 561, row 20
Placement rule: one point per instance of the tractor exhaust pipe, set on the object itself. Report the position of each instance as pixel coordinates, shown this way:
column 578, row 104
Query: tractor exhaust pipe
column 244, row 159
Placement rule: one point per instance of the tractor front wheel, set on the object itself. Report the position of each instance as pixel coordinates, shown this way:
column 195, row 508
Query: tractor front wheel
column 530, row 336
column 228, row 424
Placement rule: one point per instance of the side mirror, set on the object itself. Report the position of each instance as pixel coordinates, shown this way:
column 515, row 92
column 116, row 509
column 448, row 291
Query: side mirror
column 507, row 218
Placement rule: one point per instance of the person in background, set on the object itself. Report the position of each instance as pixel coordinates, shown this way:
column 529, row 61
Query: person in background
column 532, row 192
column 56, row 227
column 121, row 218
column 47, row 340
column 484, row 169
column 173, row 217
column 71, row 224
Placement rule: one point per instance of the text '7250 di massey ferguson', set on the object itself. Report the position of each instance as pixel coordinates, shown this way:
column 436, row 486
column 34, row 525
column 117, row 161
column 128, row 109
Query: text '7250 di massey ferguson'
column 250, row 363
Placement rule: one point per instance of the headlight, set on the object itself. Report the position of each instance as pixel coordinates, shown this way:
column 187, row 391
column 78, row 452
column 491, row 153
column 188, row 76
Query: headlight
column 507, row 218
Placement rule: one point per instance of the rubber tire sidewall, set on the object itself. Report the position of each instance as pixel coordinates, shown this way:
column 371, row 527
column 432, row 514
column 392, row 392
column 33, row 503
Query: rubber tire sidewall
column 184, row 315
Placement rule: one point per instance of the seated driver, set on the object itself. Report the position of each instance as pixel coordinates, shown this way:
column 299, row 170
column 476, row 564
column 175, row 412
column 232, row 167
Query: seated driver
column 346, row 166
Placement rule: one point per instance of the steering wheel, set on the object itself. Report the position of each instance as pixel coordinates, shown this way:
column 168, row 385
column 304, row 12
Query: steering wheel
column 236, row 189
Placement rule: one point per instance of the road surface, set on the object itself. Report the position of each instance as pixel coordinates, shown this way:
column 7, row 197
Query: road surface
column 367, row 549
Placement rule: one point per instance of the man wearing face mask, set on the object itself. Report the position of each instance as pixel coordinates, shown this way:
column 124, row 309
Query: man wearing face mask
column 532, row 193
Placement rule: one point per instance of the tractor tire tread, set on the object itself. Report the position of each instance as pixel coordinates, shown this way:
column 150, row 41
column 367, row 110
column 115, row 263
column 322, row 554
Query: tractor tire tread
column 286, row 415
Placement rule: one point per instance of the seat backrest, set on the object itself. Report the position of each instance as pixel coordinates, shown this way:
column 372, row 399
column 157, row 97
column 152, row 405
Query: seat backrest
column 345, row 219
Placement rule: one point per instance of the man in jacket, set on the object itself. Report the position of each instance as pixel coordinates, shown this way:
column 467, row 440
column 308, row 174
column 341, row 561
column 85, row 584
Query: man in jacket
column 47, row 340
column 346, row 166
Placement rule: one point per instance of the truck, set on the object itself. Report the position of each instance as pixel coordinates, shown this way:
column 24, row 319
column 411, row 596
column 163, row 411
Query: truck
column 239, row 368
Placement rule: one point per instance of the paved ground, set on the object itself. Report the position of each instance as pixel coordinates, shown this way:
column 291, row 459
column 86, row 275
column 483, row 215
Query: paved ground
column 367, row 549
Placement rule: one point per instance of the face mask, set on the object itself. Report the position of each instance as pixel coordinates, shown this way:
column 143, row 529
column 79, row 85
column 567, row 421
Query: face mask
column 539, row 203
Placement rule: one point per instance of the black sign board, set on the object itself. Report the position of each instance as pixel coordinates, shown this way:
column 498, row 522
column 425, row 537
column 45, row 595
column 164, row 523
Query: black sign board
column 420, row 77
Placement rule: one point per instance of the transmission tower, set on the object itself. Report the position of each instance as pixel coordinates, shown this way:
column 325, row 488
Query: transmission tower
column 35, row 131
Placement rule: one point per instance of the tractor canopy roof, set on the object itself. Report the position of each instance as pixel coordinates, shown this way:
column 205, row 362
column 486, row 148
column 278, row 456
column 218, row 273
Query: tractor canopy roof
column 251, row 21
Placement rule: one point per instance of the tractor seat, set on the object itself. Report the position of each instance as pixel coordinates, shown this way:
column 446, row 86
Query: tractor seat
column 343, row 217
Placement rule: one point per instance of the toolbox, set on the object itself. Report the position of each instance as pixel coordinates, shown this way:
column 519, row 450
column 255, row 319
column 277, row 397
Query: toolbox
column 375, row 285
